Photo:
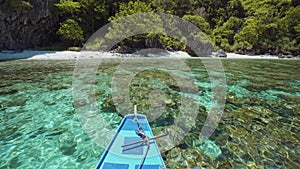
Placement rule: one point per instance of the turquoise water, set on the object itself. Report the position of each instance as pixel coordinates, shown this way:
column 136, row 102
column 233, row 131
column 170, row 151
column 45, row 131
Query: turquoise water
column 259, row 127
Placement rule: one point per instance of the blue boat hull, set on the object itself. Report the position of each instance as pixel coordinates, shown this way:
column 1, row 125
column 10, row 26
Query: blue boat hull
column 130, row 157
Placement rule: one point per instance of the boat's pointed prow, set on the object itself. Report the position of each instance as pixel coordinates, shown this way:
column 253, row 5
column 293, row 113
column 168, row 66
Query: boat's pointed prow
column 133, row 146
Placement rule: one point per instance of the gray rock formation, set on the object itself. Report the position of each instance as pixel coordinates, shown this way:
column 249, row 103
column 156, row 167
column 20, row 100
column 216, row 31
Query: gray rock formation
column 27, row 27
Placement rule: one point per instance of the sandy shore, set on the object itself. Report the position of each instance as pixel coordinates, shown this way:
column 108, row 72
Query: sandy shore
column 70, row 55
column 238, row 56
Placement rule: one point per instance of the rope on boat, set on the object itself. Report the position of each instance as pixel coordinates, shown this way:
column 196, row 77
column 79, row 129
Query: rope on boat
column 145, row 155
column 140, row 132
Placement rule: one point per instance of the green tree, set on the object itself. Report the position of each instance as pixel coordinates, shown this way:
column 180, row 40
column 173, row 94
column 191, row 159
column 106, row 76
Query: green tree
column 248, row 36
column 268, row 26
column 199, row 21
column 150, row 23
column 68, row 7
column 122, row 25
column 260, row 25
column 291, row 21
column 70, row 30
column 18, row 6
column 218, row 12
column 297, row 29
column 290, row 24
column 94, row 13
column 175, row 7
column 131, row 8
column 223, row 36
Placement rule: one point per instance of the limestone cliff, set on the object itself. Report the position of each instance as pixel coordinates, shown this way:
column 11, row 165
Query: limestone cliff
column 27, row 24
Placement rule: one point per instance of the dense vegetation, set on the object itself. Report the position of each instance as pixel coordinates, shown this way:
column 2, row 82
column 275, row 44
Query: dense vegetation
column 256, row 26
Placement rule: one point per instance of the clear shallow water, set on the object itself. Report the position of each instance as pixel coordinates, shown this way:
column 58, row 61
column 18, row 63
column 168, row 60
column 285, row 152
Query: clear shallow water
column 259, row 128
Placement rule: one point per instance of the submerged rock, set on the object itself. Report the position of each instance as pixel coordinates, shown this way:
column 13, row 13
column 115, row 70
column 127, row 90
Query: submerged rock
column 67, row 145
column 210, row 148
column 188, row 158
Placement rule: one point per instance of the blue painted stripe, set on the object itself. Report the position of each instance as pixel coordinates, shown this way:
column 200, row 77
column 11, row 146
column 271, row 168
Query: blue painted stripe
column 148, row 167
column 115, row 166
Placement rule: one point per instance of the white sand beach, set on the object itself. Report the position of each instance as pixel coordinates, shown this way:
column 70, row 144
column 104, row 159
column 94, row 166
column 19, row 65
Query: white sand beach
column 71, row 55
column 238, row 56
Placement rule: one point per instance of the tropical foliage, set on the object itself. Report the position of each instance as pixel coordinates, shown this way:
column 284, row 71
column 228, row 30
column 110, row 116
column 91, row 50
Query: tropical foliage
column 257, row 26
